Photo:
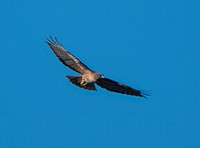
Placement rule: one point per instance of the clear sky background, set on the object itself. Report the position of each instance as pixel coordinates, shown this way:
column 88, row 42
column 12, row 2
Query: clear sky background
column 150, row 45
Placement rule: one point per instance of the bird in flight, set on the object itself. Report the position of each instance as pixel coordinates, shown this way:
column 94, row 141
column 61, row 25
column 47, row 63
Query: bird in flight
column 89, row 77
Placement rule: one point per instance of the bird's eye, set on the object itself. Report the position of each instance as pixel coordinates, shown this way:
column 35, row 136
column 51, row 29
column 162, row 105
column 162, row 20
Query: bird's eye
column 102, row 76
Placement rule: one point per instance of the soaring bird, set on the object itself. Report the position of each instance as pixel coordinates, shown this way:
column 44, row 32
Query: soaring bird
column 89, row 77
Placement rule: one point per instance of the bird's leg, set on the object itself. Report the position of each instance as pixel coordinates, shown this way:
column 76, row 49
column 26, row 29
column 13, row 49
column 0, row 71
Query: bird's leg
column 83, row 83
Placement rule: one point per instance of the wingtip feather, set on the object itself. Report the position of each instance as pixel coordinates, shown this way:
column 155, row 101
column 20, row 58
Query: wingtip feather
column 50, row 41
column 144, row 95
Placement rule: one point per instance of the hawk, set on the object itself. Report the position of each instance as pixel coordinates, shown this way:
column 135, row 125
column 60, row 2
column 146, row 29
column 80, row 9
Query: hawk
column 89, row 77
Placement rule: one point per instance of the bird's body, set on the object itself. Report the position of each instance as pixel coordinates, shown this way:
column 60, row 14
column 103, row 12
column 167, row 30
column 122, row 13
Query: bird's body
column 89, row 77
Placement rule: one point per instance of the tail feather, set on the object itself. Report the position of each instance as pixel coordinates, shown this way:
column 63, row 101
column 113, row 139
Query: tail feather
column 74, row 80
column 77, row 80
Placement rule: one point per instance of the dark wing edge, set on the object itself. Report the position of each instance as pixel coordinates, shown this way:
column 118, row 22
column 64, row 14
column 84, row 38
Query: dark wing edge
column 66, row 57
column 113, row 86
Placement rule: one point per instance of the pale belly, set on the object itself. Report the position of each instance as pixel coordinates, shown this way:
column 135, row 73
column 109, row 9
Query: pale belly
column 89, row 78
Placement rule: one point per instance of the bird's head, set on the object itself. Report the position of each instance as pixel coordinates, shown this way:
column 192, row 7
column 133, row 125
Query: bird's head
column 101, row 76
column 98, row 75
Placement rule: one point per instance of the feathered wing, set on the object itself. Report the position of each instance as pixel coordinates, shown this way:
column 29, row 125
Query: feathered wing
column 113, row 86
column 65, row 57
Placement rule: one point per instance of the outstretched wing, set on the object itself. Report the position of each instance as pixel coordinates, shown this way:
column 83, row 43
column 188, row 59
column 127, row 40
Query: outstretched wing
column 113, row 86
column 65, row 57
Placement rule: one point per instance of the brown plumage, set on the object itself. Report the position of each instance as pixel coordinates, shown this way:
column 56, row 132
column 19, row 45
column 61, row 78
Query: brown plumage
column 89, row 77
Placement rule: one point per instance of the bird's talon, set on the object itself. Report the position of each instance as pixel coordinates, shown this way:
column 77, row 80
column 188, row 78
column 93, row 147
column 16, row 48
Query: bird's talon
column 82, row 81
column 84, row 84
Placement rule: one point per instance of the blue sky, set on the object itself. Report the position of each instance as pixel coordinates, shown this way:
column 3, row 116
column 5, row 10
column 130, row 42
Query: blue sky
column 150, row 45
